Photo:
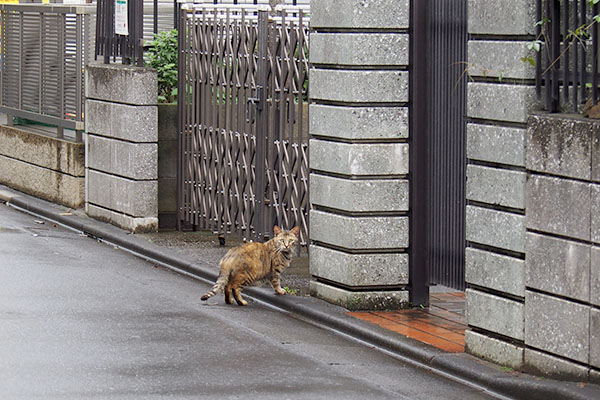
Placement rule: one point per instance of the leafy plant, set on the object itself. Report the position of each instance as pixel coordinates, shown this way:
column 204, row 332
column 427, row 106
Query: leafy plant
column 573, row 36
column 161, row 54
column 290, row 291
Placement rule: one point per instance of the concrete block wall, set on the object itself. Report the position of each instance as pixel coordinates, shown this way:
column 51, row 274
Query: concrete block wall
column 562, row 268
column 43, row 166
column 359, row 152
column 500, row 98
column 122, row 146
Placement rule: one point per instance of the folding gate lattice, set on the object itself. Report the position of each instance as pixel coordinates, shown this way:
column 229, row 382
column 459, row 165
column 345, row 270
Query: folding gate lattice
column 243, row 119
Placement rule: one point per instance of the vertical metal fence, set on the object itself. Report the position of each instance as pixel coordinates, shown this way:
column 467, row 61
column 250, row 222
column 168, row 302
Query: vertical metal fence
column 244, row 119
column 159, row 16
column 438, row 160
column 568, row 56
column 128, row 48
column 43, row 50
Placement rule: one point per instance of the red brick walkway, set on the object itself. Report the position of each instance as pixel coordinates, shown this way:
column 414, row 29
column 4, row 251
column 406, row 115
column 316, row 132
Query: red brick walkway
column 442, row 324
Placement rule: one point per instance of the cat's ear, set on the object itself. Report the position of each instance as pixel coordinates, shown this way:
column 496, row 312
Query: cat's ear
column 276, row 230
column 296, row 230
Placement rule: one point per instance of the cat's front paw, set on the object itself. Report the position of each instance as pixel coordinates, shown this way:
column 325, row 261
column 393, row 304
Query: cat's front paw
column 280, row 292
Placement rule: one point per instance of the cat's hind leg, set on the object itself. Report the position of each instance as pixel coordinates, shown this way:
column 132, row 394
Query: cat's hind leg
column 227, row 293
column 237, row 294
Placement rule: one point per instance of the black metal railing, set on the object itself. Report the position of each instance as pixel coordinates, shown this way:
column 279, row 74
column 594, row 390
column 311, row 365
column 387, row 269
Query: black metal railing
column 567, row 60
column 129, row 48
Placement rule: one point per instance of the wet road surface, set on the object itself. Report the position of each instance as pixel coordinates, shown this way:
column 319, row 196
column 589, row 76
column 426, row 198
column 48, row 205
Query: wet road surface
column 81, row 319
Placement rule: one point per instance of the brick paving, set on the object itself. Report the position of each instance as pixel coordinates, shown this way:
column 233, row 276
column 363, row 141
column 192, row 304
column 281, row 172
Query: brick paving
column 442, row 324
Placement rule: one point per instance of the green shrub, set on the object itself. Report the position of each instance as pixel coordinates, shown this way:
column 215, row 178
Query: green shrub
column 161, row 54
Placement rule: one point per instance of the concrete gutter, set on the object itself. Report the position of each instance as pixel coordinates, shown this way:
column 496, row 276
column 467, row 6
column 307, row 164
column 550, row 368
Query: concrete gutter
column 462, row 367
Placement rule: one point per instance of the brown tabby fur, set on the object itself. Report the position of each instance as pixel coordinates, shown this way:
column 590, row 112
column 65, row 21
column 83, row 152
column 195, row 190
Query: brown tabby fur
column 253, row 262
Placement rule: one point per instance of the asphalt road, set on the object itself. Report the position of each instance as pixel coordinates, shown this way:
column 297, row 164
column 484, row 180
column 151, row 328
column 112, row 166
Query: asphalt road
column 80, row 319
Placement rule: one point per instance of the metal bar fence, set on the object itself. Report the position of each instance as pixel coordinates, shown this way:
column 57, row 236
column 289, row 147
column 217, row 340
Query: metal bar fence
column 446, row 144
column 243, row 113
column 44, row 49
column 568, row 58
column 129, row 48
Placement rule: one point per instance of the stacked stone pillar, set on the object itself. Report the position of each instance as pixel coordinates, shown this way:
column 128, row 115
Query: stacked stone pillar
column 359, row 88
column 122, row 146
column 499, row 100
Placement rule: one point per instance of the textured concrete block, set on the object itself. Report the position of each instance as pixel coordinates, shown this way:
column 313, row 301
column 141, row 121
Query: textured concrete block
column 359, row 232
column 546, row 365
column 359, row 269
column 122, row 121
column 121, row 84
column 557, row 326
column 359, row 195
column 133, row 224
column 558, row 206
column 500, row 102
column 495, row 271
column 497, row 351
column 496, row 186
column 595, row 211
column 595, row 376
column 388, row 14
column 358, row 86
column 167, row 199
column 499, row 59
column 134, row 198
column 41, row 182
column 517, row 17
column 595, row 128
column 595, row 337
column 167, row 122
column 167, row 158
column 595, row 276
column 495, row 314
column 558, row 266
column 496, row 144
column 357, row 301
column 495, row 228
column 359, row 159
column 359, row 48
column 359, row 122
column 47, row 152
column 559, row 145
column 130, row 160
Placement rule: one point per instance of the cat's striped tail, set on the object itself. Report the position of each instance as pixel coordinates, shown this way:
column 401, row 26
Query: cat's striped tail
column 217, row 288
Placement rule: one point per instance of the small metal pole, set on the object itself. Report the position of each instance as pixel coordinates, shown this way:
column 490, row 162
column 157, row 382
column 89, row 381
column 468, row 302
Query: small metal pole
column 261, row 125
column 109, row 17
column 139, row 33
column 575, row 60
column 555, row 43
column 419, row 109
column 155, row 17
column 595, row 58
column 566, row 53
column 583, row 65
column 182, row 98
column 538, row 55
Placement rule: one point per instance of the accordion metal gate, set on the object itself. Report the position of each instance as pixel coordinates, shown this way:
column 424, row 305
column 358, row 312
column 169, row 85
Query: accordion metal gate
column 243, row 112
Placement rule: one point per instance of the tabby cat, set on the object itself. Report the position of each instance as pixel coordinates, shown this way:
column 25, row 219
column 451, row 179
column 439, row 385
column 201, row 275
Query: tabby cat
column 254, row 262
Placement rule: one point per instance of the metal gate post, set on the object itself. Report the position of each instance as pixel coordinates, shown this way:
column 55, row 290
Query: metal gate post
column 261, row 126
column 419, row 89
